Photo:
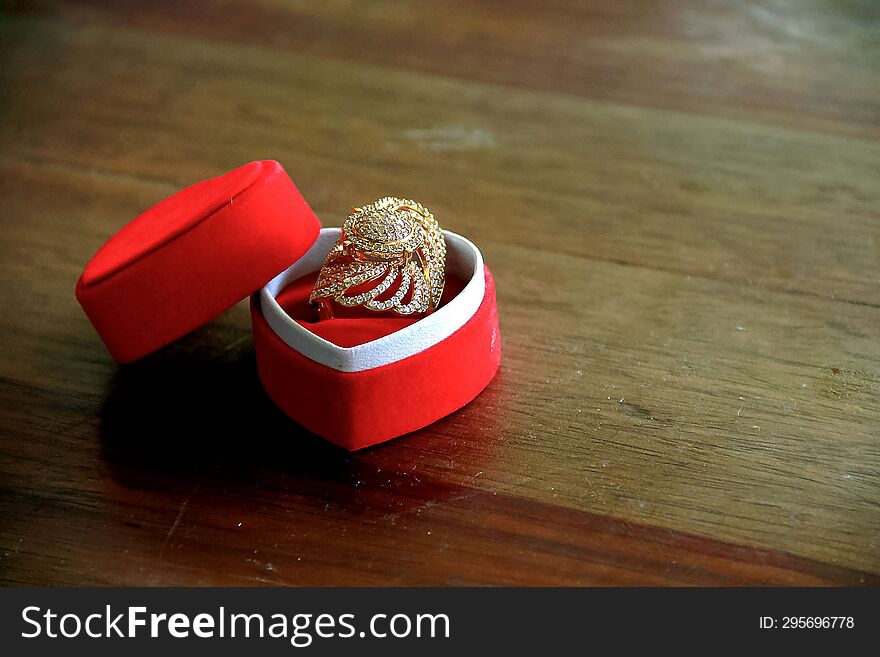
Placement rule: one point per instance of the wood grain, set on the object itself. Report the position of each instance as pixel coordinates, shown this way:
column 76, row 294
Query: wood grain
column 681, row 214
column 788, row 62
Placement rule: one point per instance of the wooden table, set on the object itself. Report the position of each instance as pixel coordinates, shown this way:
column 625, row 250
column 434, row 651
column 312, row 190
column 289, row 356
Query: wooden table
column 679, row 202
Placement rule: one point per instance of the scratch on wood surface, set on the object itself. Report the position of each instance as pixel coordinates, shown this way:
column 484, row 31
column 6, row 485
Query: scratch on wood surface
column 451, row 138
column 175, row 524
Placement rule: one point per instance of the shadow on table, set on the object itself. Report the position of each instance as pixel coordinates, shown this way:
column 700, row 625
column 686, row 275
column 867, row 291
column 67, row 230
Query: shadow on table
column 195, row 414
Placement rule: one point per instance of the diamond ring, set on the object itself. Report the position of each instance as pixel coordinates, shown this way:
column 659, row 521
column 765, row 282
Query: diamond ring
column 390, row 256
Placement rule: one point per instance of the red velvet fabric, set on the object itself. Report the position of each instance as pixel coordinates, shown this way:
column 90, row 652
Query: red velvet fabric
column 360, row 409
column 350, row 326
column 192, row 256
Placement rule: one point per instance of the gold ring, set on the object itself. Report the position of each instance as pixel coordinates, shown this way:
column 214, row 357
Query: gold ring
column 390, row 256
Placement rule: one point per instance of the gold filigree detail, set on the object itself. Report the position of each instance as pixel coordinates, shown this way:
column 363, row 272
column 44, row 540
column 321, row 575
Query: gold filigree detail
column 393, row 251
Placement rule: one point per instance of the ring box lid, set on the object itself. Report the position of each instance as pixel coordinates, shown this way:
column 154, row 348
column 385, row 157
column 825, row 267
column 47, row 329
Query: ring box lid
column 193, row 255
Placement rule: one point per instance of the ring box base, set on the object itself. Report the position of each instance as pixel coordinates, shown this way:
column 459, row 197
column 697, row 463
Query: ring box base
column 357, row 409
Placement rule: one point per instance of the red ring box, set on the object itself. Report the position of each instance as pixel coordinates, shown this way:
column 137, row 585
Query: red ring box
column 406, row 375
column 192, row 256
column 356, row 381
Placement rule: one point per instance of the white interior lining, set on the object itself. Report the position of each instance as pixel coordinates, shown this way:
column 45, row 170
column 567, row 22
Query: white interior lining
column 463, row 259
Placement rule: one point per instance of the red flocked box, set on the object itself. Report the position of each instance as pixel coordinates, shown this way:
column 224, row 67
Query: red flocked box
column 356, row 380
column 192, row 256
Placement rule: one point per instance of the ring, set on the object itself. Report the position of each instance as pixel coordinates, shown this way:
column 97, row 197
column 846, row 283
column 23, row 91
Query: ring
column 390, row 256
